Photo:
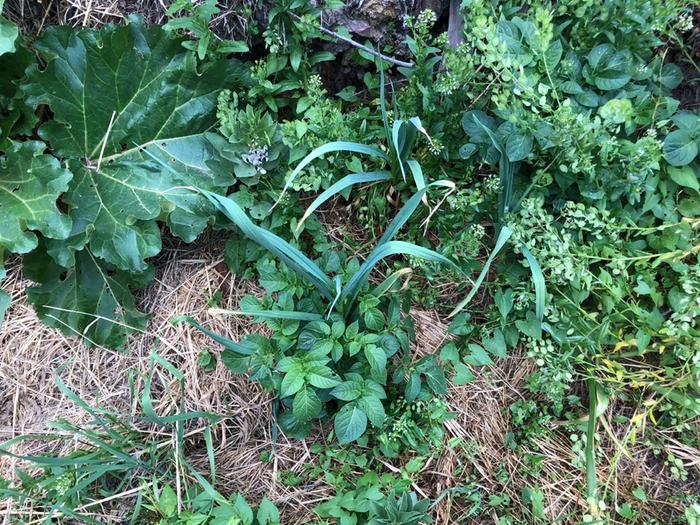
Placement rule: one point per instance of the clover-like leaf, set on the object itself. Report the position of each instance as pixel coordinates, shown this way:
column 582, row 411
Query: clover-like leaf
column 133, row 113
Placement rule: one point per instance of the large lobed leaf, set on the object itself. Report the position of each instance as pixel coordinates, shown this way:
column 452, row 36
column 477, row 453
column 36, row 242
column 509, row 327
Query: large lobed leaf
column 8, row 33
column 132, row 116
column 92, row 299
column 134, row 113
column 30, row 184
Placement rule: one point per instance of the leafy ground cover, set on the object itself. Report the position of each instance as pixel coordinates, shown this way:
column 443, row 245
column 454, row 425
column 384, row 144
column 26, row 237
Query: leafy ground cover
column 505, row 331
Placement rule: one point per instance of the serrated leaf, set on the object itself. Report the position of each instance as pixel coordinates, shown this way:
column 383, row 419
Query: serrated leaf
column 292, row 382
column 91, row 300
column 306, row 404
column 322, row 377
column 347, row 391
column 376, row 357
column 350, row 423
column 129, row 102
column 30, row 184
column 437, row 382
column 374, row 319
column 374, row 410
column 412, row 387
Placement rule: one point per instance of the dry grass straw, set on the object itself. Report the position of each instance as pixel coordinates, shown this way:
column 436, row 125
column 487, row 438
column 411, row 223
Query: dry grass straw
column 33, row 16
column 486, row 463
column 186, row 278
column 30, row 354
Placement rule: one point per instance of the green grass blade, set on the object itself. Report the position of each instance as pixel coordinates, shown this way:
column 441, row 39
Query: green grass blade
column 350, row 147
column 387, row 283
column 503, row 237
column 352, row 288
column 538, row 280
column 407, row 210
column 417, row 173
column 147, row 401
column 591, row 477
column 398, row 135
column 506, row 171
column 271, row 314
column 338, row 290
column 229, row 344
column 345, row 182
column 382, row 102
column 284, row 251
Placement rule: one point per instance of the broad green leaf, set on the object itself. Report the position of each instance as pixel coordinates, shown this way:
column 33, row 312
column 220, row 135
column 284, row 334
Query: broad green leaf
column 553, row 55
column 611, row 79
column 344, row 183
column 227, row 47
column 267, row 513
column 376, row 357
column 680, row 147
column 322, row 377
column 374, row 319
column 463, row 374
column 30, row 184
column 350, row 423
column 16, row 118
column 449, row 353
column 347, row 390
column 477, row 356
column 167, row 501
column 518, row 146
column 496, row 344
column 435, row 376
column 374, row 410
column 684, row 176
column 131, row 109
column 671, row 76
column 8, row 33
column 91, row 300
column 292, row 382
column 503, row 237
column 4, row 305
column 331, row 147
column 306, row 404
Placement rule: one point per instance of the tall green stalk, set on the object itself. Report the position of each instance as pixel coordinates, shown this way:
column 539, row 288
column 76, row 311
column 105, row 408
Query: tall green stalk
column 591, row 478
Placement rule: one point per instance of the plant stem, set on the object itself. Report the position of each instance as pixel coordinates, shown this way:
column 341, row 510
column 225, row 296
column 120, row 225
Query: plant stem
column 591, row 479
column 350, row 41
